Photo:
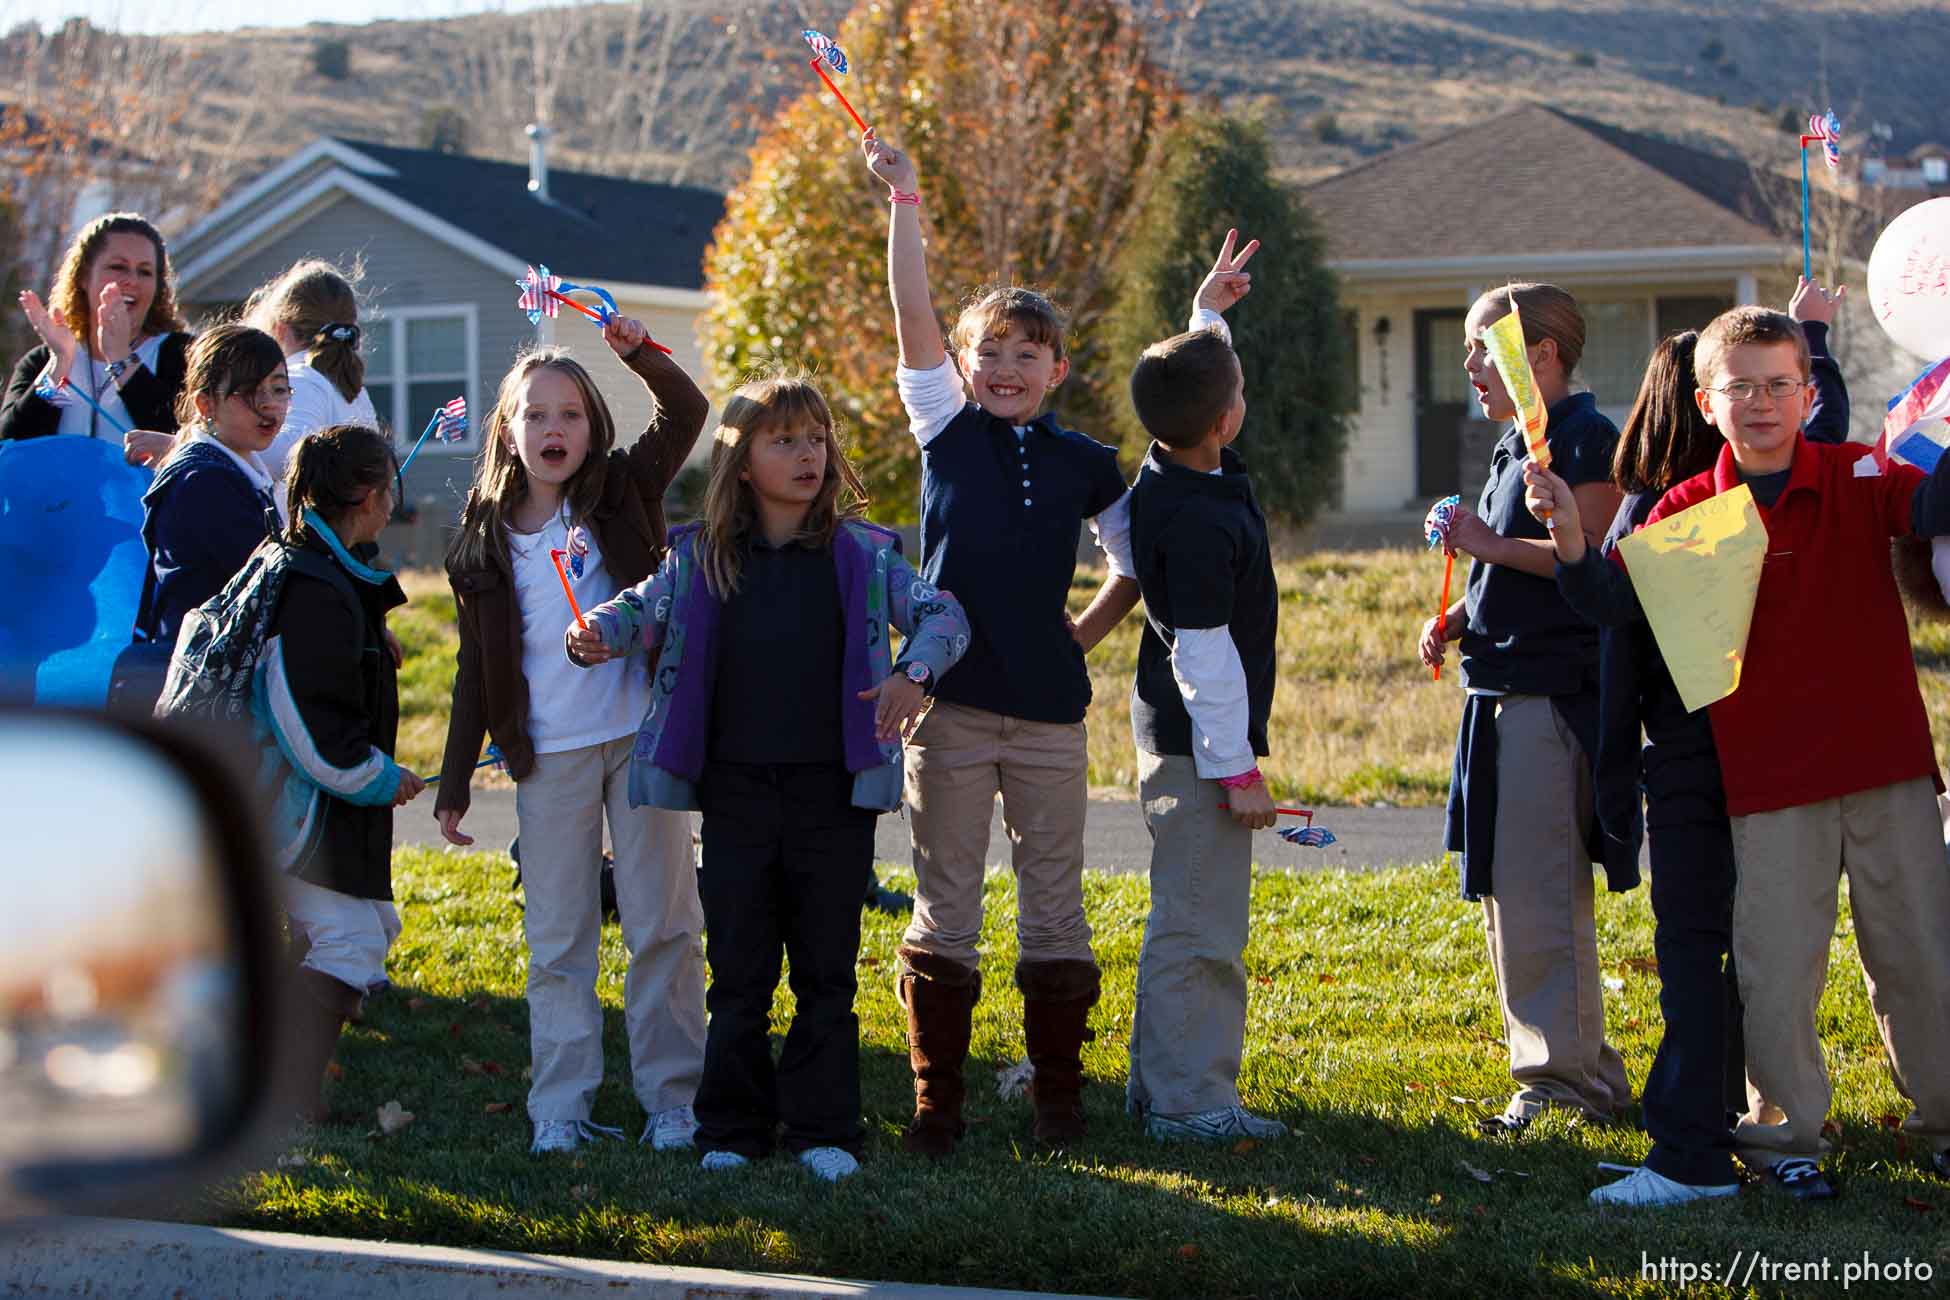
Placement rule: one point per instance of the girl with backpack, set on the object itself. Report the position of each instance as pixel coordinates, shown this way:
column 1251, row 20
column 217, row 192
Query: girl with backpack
column 778, row 710
column 296, row 650
column 550, row 486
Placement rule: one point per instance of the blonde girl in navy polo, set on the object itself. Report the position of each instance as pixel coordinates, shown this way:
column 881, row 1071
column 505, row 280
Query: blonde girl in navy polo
column 1520, row 796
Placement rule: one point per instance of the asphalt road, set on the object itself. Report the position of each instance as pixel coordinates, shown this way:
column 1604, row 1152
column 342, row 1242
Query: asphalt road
column 1114, row 836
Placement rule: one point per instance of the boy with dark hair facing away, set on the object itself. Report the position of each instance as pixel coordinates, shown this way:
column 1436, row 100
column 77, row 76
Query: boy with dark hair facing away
column 1199, row 706
column 1812, row 796
column 1004, row 493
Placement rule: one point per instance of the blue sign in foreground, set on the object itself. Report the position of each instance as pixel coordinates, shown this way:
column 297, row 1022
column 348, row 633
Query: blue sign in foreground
column 71, row 567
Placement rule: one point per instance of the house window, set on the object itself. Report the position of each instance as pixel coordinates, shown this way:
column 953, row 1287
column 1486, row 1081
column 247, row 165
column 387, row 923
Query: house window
column 1689, row 313
column 1617, row 343
column 1936, row 171
column 417, row 360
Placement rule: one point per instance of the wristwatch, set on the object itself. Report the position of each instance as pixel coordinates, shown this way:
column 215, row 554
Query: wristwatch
column 116, row 369
column 918, row 673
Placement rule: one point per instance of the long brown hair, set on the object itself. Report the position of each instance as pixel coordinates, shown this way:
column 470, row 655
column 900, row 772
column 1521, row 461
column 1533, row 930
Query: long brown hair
column 1665, row 440
column 500, row 482
column 70, row 289
column 730, row 506
column 317, row 303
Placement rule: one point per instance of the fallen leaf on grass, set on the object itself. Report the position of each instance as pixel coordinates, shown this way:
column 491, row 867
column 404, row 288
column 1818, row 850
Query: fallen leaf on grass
column 1435, row 1198
column 453, row 1030
column 583, row 1191
column 1613, row 983
column 1480, row 1175
column 1243, row 1145
column 416, row 1004
column 491, row 1069
column 1264, row 979
column 292, row 1160
column 334, row 1070
column 1416, row 1087
column 1328, row 979
column 393, row 1117
column 1479, row 1209
column 1012, row 1081
column 1367, row 1160
column 499, row 1107
column 1643, row 965
column 1188, row 1251
column 871, row 963
column 1892, row 1122
column 1832, row 1131
column 1921, row 1207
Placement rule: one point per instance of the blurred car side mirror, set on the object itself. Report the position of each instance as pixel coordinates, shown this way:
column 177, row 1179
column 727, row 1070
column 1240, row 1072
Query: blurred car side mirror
column 138, row 967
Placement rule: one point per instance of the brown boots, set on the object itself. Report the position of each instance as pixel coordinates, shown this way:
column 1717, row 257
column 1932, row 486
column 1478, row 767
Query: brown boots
column 940, row 999
column 320, row 1007
column 1056, row 1001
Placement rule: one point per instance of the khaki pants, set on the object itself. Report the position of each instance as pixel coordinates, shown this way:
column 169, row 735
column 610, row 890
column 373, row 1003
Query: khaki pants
column 560, row 810
column 1790, row 863
column 1543, row 935
column 958, row 760
column 1190, row 1025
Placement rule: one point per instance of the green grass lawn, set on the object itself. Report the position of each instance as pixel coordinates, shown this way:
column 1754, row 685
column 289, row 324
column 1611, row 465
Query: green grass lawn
column 1356, row 719
column 1373, row 1033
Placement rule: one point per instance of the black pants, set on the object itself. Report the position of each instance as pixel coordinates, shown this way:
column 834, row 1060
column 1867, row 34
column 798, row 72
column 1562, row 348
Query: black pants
column 1698, row 1072
column 786, row 859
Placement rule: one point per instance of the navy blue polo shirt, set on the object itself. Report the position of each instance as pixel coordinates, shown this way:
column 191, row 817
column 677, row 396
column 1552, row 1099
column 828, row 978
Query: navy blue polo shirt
column 1523, row 638
column 1203, row 560
column 1000, row 522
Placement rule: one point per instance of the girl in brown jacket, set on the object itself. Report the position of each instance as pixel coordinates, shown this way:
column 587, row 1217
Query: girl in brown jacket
column 549, row 482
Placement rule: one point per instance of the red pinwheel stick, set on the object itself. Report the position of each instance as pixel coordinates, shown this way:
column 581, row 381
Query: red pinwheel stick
column 1442, row 610
column 814, row 65
column 597, row 316
column 563, row 574
column 1308, row 813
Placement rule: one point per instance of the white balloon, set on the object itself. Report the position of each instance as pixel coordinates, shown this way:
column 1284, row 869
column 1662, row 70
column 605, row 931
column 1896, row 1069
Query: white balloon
column 1909, row 279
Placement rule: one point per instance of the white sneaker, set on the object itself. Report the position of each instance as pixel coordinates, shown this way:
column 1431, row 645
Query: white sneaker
column 567, row 1134
column 719, row 1161
column 670, row 1130
column 1649, row 1189
column 830, row 1163
column 1213, row 1126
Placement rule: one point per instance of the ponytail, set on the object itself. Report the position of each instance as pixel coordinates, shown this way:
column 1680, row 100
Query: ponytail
column 317, row 303
column 331, row 472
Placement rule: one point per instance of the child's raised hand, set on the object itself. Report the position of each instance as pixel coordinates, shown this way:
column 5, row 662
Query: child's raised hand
column 897, row 702
column 1811, row 302
column 624, row 334
column 888, row 163
column 1225, row 284
column 586, row 646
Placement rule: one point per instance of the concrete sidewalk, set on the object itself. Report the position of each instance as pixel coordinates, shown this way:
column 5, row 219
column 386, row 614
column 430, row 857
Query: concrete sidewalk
column 1114, row 835
column 133, row 1258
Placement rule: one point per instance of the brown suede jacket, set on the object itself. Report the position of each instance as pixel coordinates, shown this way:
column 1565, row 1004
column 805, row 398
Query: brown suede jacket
column 490, row 692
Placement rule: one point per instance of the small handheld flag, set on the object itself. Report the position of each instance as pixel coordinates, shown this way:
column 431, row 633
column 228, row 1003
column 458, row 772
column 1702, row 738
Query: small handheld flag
column 578, row 551
column 449, row 424
column 543, row 294
column 1309, row 836
column 826, row 53
column 562, row 573
column 1915, row 430
column 1441, row 516
column 1826, row 129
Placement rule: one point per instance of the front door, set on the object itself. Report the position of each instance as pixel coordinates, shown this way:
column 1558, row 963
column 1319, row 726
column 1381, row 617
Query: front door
column 1443, row 401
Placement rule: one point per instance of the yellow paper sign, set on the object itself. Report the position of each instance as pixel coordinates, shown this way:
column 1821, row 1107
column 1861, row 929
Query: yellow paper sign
column 1512, row 360
column 1696, row 574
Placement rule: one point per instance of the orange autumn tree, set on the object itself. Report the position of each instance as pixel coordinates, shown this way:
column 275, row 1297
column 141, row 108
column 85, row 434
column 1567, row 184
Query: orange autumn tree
column 1035, row 128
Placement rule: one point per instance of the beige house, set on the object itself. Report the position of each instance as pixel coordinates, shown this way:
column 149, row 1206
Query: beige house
column 443, row 239
column 1651, row 236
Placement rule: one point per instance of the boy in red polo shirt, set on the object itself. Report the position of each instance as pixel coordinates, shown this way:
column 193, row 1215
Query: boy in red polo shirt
column 1826, row 751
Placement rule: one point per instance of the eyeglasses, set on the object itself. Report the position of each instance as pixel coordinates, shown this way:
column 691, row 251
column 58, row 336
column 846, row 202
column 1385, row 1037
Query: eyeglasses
column 1741, row 390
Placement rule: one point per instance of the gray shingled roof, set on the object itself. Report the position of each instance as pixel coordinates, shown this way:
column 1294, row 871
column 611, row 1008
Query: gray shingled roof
column 599, row 227
column 1536, row 180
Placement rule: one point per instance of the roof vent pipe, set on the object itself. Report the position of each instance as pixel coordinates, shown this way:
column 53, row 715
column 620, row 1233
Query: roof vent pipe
column 538, row 160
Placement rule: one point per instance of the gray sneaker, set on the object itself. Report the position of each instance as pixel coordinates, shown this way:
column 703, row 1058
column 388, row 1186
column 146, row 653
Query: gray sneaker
column 720, row 1161
column 1228, row 1123
column 670, row 1130
column 829, row 1163
column 553, row 1135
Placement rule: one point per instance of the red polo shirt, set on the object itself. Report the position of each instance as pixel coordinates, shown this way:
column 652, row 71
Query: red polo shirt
column 1828, row 703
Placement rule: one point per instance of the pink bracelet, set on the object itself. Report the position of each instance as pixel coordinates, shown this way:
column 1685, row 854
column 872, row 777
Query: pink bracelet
column 903, row 196
column 1242, row 780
